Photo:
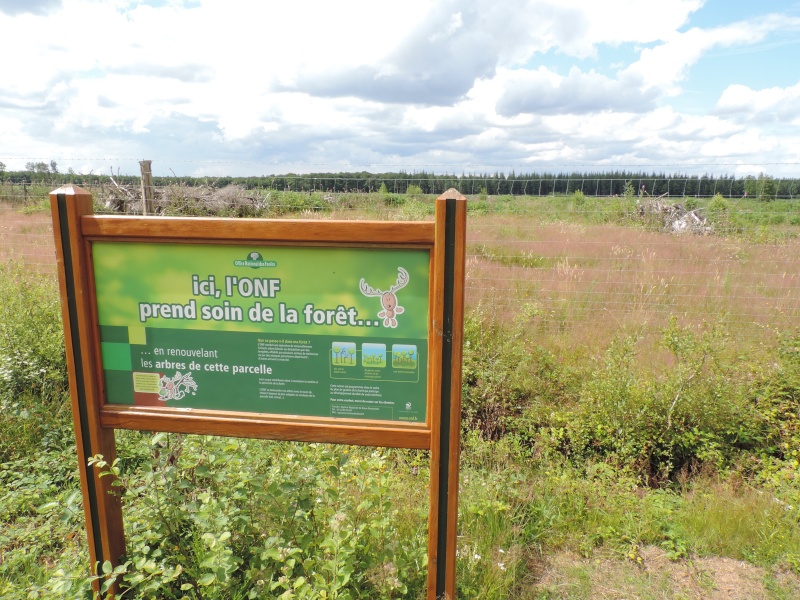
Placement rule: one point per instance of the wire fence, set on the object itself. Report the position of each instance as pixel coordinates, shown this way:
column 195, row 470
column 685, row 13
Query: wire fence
column 28, row 188
column 578, row 274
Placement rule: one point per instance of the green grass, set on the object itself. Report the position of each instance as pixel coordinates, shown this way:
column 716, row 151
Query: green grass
column 588, row 471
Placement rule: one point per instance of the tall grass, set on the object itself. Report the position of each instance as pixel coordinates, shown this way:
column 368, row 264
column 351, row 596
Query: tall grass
column 626, row 392
column 588, row 284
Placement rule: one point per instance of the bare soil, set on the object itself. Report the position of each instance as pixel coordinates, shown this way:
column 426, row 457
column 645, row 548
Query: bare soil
column 654, row 575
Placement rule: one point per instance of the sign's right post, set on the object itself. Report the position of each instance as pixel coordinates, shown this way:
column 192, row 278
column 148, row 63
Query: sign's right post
column 448, row 329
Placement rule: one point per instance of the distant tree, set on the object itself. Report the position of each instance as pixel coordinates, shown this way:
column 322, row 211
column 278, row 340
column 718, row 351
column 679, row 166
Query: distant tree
column 29, row 166
column 750, row 186
column 53, row 167
column 766, row 187
column 41, row 167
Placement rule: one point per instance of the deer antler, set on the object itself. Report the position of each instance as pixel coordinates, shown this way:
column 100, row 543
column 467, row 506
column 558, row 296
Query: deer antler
column 367, row 289
column 402, row 279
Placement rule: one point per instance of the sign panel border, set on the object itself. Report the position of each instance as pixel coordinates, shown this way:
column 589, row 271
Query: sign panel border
column 295, row 233
column 76, row 229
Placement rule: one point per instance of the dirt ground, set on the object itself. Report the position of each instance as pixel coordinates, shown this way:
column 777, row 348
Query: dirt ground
column 27, row 237
column 568, row 575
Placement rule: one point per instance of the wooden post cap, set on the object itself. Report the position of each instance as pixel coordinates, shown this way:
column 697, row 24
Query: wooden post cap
column 452, row 194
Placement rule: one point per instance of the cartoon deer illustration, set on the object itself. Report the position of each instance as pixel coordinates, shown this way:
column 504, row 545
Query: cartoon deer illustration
column 389, row 298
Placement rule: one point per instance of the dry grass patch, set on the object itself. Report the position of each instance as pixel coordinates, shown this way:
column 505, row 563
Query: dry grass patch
column 27, row 237
column 588, row 283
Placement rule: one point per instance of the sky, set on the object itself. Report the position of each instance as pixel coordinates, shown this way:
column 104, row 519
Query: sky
column 242, row 87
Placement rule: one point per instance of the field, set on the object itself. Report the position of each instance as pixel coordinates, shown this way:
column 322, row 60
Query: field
column 631, row 422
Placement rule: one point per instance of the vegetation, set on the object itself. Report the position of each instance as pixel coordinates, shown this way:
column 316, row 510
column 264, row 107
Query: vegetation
column 597, row 453
column 395, row 185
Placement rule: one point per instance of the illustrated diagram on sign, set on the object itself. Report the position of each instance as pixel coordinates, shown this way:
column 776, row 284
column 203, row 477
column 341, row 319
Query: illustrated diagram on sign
column 176, row 387
column 343, row 354
column 391, row 308
column 404, row 356
column 373, row 355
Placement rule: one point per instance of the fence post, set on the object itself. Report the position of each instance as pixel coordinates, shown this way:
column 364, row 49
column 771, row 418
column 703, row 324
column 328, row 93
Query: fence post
column 451, row 219
column 147, row 187
column 102, row 509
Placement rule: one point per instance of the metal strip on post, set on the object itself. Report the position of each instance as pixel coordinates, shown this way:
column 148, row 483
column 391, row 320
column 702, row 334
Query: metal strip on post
column 444, row 425
column 452, row 230
column 80, row 382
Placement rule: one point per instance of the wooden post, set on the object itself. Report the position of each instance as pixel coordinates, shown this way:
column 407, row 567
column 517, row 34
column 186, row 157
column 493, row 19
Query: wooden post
column 451, row 219
column 102, row 509
column 148, row 208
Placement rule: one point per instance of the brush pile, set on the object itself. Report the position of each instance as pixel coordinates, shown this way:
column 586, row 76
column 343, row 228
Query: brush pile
column 674, row 217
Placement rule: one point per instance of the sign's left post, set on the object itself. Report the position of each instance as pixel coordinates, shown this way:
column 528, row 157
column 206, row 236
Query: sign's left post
column 102, row 508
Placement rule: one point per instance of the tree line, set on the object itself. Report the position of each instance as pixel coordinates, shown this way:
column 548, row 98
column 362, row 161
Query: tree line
column 607, row 183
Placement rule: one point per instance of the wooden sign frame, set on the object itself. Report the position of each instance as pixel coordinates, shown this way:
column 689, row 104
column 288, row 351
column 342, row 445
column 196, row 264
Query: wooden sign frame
column 76, row 229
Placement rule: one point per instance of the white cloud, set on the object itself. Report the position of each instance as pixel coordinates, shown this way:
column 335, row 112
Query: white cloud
column 771, row 105
column 34, row 7
column 545, row 92
column 666, row 65
column 466, row 81
column 621, row 21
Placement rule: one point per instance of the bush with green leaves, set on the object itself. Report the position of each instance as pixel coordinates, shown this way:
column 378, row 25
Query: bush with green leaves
column 32, row 358
column 224, row 518
column 505, row 376
column 697, row 411
column 33, row 371
column 778, row 463
column 495, row 388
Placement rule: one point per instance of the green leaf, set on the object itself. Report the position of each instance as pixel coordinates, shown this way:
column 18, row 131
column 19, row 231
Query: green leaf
column 207, row 579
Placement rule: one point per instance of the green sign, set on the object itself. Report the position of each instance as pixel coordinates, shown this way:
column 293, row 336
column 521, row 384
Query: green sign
column 309, row 331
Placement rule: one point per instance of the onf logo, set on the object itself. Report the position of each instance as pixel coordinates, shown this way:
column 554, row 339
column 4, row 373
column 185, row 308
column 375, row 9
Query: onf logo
column 254, row 260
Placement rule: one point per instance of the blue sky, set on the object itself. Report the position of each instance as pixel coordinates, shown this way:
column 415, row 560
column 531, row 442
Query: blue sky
column 216, row 87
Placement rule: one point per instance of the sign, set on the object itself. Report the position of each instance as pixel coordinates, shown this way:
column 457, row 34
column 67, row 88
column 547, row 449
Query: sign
column 308, row 331
column 344, row 332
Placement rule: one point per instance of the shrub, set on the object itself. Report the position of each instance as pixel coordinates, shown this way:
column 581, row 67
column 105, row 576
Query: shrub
column 718, row 209
column 394, row 200
column 32, row 359
column 656, row 426
column 33, row 372
column 505, row 377
column 241, row 519
column 478, row 207
column 778, row 400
